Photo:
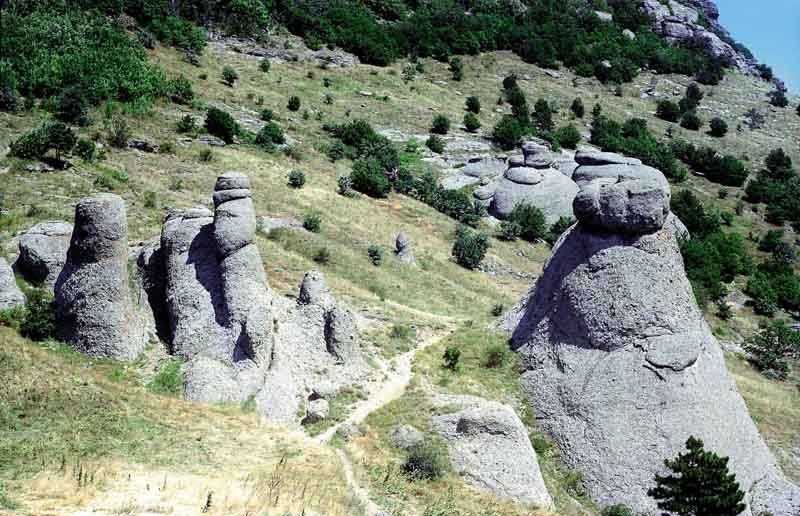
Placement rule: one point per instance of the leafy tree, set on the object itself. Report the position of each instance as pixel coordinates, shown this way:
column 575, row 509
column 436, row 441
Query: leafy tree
column 469, row 247
column 246, row 17
column 718, row 127
column 507, row 133
column 519, row 105
column 229, row 76
column 60, row 138
column 691, row 121
column 473, row 104
column 568, row 136
column 471, row 122
column 221, row 124
column 435, row 144
column 457, row 68
column 700, row 484
column 294, row 103
column 772, row 347
column 440, row 124
column 369, row 177
column 668, row 110
column 577, row 108
column 543, row 116
column 72, row 107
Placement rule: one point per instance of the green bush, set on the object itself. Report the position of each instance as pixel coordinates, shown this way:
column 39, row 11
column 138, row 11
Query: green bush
column 322, row 256
column 247, row 17
column 375, row 253
column 577, row 108
column 543, row 116
column 313, row 222
column 49, row 136
column 435, row 144
column 424, row 462
column 771, row 348
column 726, row 170
column 72, row 107
column 617, row 510
column 38, row 317
column 451, row 358
column 440, row 124
column 530, row 220
column 508, row 133
column 469, row 248
column 668, row 110
column 471, row 122
column 691, row 121
column 118, row 132
column 473, row 104
column 344, row 185
column 187, row 124
column 558, row 229
column 180, row 90
column 718, row 127
column 297, row 179
column 568, row 136
column 85, row 149
column 9, row 102
column 264, row 65
column 509, row 231
column 221, row 124
column 369, row 177
column 294, row 103
column 496, row 356
column 270, row 135
column 229, row 76
column 267, row 115
column 457, row 68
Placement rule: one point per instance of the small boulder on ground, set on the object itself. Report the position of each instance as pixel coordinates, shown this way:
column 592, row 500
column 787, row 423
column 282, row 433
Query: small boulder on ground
column 316, row 411
column 406, row 437
column 10, row 294
column 43, row 251
column 402, row 248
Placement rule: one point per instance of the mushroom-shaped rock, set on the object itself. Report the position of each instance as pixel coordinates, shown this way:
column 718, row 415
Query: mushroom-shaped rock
column 488, row 445
column 597, row 158
column 402, row 248
column 621, row 368
column 552, row 194
column 586, row 174
column 640, row 206
column 43, row 251
column 10, row 294
column 93, row 308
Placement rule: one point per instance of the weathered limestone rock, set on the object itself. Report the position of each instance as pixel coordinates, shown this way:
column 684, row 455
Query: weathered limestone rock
column 586, row 174
column 94, row 312
column 552, row 194
column 639, row 206
column 10, row 294
column 316, row 411
column 43, row 252
column 621, row 367
column 406, row 437
column 598, row 158
column 402, row 248
column 488, row 445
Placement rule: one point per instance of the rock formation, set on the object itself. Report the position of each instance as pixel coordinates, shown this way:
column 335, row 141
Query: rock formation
column 10, row 294
column 94, row 312
column 43, row 252
column 402, row 248
column 488, row 445
column 621, row 367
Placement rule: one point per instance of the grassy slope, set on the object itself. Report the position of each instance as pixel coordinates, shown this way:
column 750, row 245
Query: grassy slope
column 436, row 292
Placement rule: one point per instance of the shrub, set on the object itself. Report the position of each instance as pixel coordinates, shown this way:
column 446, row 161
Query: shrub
column 509, row 82
column 229, row 76
column 297, row 179
column 294, row 103
column 530, row 220
column 312, row 222
column 473, row 104
column 72, row 107
column 680, row 491
column 471, row 122
column 9, row 102
column 691, row 121
column 558, row 229
column 168, row 381
column 269, row 135
column 668, row 110
column 344, row 186
column 322, row 256
column 440, row 124
column 435, row 144
column 778, row 98
column 543, row 116
column 718, row 127
column 507, row 133
column 38, row 318
column 451, row 358
column 424, row 462
column 85, row 149
column 617, row 510
column 497, row 309
column 469, row 248
column 577, row 108
column 221, row 124
column 31, row 145
column 375, row 253
column 770, row 241
column 180, row 90
column 568, row 136
column 772, row 347
column 509, row 231
column 264, row 65
column 267, row 115
column 150, row 199
column 496, row 356
column 725, row 170
column 118, row 132
column 457, row 68
column 369, row 177
column 187, row 124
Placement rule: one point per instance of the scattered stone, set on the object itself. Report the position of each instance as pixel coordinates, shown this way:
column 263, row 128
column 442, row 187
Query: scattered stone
column 316, row 411
column 406, row 437
column 144, row 145
column 10, row 294
column 552, row 73
column 211, row 141
column 365, row 93
column 323, row 390
column 628, row 33
column 43, row 252
column 93, row 307
column 604, row 16
column 268, row 224
column 488, row 445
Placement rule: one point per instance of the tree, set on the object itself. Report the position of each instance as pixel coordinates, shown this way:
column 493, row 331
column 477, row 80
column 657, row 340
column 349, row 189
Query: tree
column 568, row 136
column 469, row 247
column 577, row 108
column 440, row 124
column 229, row 76
column 60, row 138
column 457, row 68
column 530, row 220
column 369, row 177
column 691, row 121
column 474, row 104
column 543, row 116
column 221, row 124
column 471, row 122
column 718, row 127
column 699, row 485
column 772, row 347
column 778, row 98
column 507, row 133
column 294, row 103
column 668, row 110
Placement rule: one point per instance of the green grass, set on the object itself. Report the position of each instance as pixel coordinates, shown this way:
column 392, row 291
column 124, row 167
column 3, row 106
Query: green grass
column 169, row 379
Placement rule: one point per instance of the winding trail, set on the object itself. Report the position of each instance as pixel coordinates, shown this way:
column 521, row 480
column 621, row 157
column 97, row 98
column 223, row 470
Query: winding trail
column 399, row 373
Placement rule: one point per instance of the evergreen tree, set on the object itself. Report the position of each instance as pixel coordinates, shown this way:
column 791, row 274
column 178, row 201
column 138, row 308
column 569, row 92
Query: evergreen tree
column 700, row 484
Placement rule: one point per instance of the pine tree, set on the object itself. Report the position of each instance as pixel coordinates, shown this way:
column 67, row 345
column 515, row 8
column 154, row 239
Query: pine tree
column 700, row 484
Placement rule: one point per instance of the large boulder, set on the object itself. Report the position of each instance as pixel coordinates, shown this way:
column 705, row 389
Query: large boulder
column 43, row 252
column 402, row 248
column 10, row 294
column 547, row 189
column 621, row 367
column 586, row 174
column 488, row 445
column 94, row 312
column 639, row 206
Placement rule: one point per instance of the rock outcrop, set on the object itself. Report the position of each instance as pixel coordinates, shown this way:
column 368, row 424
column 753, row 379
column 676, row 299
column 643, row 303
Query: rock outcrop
column 488, row 445
column 621, row 367
column 402, row 248
column 93, row 307
column 10, row 294
column 43, row 252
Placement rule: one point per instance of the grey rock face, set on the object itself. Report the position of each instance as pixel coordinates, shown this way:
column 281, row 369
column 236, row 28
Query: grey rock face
column 402, row 248
column 406, row 437
column 484, row 167
column 553, row 194
column 316, row 411
column 639, row 206
column 586, row 174
column 489, row 446
column 43, row 252
column 94, row 312
column 10, row 294
column 621, row 369
column 314, row 290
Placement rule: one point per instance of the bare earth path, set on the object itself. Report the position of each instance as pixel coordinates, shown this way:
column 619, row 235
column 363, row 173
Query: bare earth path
column 399, row 373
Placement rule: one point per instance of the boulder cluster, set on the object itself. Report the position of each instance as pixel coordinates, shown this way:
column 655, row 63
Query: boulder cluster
column 620, row 366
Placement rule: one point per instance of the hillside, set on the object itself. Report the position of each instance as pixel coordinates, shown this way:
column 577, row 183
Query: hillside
column 87, row 435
